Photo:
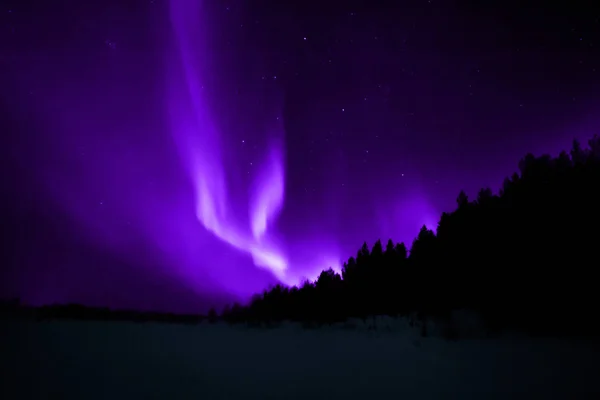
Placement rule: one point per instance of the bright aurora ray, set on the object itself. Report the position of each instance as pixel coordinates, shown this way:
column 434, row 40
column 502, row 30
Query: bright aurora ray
column 201, row 148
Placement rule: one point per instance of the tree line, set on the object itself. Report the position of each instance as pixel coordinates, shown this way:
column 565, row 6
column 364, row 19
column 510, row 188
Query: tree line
column 523, row 258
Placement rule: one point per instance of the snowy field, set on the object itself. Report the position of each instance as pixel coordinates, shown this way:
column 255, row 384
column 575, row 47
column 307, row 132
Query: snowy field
column 96, row 360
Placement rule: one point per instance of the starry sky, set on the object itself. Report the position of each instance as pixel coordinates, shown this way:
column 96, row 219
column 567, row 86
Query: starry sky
column 173, row 154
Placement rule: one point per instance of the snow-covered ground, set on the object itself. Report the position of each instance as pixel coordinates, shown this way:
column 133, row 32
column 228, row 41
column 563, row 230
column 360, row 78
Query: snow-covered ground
column 98, row 360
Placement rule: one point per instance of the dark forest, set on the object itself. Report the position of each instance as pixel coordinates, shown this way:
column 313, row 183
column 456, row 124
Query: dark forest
column 523, row 259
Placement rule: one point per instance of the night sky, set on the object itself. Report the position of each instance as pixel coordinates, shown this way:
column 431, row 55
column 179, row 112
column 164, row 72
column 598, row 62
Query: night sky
column 170, row 155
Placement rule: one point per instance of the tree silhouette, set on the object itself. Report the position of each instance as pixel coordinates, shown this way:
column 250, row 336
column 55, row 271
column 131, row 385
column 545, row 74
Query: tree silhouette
column 525, row 258
column 519, row 258
column 462, row 200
